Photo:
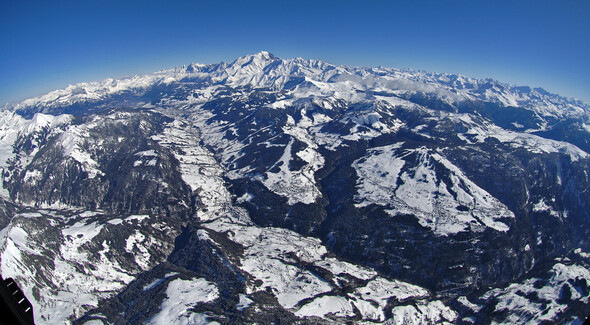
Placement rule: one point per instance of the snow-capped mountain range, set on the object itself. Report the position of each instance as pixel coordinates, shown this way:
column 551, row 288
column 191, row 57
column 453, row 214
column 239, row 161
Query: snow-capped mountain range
column 318, row 78
column 297, row 191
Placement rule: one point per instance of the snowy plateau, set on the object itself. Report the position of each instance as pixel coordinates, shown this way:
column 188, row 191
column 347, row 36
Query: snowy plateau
column 272, row 191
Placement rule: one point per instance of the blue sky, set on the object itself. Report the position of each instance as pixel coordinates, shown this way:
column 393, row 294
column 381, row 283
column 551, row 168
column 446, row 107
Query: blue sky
column 45, row 45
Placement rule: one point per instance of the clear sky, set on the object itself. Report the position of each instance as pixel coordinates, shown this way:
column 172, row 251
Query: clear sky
column 45, row 45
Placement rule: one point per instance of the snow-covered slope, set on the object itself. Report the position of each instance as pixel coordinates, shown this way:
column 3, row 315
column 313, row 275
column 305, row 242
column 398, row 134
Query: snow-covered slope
column 447, row 205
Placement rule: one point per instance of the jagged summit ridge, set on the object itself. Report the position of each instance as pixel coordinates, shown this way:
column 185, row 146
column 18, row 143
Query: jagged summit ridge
column 265, row 70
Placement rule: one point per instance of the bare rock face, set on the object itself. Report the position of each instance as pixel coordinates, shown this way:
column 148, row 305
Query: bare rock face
column 295, row 191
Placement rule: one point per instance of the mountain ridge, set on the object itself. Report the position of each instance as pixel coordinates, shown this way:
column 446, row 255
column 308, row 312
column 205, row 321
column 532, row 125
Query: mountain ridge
column 256, row 64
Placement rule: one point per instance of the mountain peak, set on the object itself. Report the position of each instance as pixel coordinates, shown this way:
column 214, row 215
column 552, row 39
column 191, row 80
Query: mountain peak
column 261, row 58
column 265, row 55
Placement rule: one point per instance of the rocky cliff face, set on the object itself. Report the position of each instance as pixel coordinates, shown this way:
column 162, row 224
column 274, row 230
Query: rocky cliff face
column 297, row 191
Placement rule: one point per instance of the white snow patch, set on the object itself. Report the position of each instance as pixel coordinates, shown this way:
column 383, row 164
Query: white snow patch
column 153, row 284
column 138, row 217
column 182, row 295
column 158, row 281
column 380, row 290
column 338, row 267
column 465, row 302
column 427, row 312
column 543, row 206
column 244, row 198
column 244, row 302
column 581, row 253
column 147, row 153
column 532, row 143
column 115, row 221
column 513, row 297
column 136, row 244
column 148, row 158
column 76, row 236
column 334, row 305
